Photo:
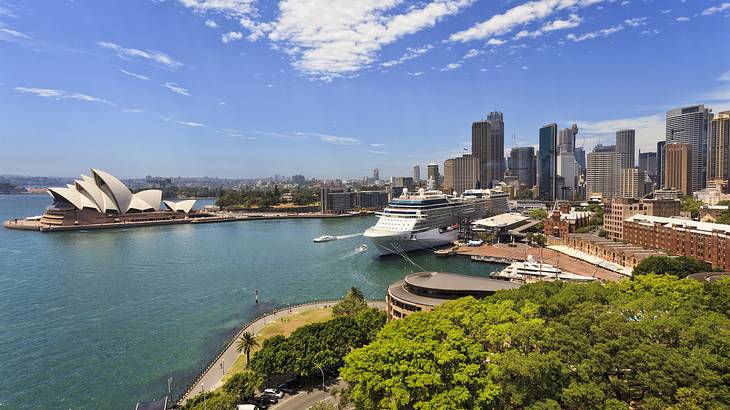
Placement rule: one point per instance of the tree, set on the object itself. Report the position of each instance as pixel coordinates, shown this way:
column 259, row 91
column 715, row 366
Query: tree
column 602, row 233
column 218, row 400
column 243, row 385
column 356, row 293
column 653, row 342
column 680, row 266
column 351, row 304
column 538, row 214
column 689, row 204
column 246, row 343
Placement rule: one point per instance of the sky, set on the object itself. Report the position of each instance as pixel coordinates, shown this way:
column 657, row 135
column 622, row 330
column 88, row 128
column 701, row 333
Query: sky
column 336, row 88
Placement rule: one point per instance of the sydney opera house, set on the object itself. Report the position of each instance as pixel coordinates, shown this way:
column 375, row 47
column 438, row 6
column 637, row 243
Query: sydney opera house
column 103, row 199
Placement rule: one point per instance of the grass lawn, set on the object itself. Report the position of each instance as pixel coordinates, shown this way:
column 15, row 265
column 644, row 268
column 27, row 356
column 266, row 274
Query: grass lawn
column 285, row 327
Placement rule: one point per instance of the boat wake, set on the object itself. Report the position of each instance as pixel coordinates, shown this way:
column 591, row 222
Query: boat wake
column 349, row 236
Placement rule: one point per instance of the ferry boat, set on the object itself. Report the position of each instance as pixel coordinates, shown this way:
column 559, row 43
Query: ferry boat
column 429, row 219
column 325, row 238
column 531, row 270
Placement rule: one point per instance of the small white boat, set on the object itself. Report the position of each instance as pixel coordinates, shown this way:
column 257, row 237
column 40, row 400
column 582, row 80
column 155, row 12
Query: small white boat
column 362, row 248
column 530, row 269
column 325, row 238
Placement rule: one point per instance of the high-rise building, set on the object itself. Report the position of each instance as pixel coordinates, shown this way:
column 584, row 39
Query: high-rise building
column 487, row 148
column 678, row 167
column 566, row 139
column 625, row 143
column 647, row 163
column 417, row 173
column 434, row 178
column 523, row 165
column 547, row 163
column 580, row 156
column 690, row 125
column 660, row 163
column 632, row 183
column 298, row 179
column 718, row 152
column 459, row 174
column 602, row 172
column 376, row 174
column 496, row 121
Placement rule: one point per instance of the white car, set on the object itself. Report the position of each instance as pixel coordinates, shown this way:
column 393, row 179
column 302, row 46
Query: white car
column 247, row 407
column 274, row 392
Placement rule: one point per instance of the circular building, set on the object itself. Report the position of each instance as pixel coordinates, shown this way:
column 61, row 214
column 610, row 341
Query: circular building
column 422, row 291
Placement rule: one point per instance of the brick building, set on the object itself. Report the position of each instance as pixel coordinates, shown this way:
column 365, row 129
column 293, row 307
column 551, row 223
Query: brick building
column 708, row 242
column 618, row 209
column 565, row 220
column 626, row 255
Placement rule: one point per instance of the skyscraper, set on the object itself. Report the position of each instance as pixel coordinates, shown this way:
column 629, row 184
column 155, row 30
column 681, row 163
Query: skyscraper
column 566, row 139
column 678, row 167
column 718, row 157
column 625, row 143
column 417, row 173
column 690, row 125
column 647, row 163
column 376, row 174
column 660, row 163
column 523, row 165
column 433, row 175
column 547, row 163
column 487, row 148
column 459, row 174
column 632, row 183
column 603, row 171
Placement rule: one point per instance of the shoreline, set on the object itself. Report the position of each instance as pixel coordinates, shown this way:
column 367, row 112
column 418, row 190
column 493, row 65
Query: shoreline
column 37, row 226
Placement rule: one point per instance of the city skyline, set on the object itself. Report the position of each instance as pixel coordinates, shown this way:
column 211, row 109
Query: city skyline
column 237, row 89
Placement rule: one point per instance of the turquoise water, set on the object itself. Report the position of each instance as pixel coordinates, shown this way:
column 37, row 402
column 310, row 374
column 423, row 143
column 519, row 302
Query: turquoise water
column 101, row 319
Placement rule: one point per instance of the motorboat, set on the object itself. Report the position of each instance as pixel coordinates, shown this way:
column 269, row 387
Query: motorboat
column 325, row 238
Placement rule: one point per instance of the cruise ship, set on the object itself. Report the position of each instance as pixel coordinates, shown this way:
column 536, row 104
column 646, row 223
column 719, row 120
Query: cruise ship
column 428, row 219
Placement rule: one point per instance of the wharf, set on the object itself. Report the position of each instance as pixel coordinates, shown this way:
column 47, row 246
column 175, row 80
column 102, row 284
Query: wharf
column 36, row 225
column 503, row 253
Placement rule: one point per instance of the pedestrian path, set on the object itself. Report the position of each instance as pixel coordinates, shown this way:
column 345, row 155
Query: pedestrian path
column 213, row 376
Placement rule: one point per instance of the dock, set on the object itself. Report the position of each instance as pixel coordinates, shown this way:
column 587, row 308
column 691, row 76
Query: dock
column 506, row 254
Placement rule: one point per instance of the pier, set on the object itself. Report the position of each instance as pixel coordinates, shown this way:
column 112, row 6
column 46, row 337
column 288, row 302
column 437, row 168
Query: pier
column 504, row 253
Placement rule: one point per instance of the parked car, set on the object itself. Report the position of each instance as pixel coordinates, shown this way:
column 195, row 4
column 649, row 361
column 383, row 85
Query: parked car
column 274, row 392
column 259, row 403
column 267, row 398
column 247, row 406
column 287, row 388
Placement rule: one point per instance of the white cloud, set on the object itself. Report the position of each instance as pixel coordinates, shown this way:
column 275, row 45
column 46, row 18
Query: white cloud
column 410, row 54
column 331, row 39
column 9, row 35
column 231, row 36
column 223, row 103
column 233, row 8
column 636, row 21
column 157, row 57
column 5, row 11
column 595, row 34
column 186, row 123
column 451, row 66
column 716, row 9
column 60, row 94
column 377, row 145
column 683, row 19
column 332, row 139
column 211, row 23
column 724, row 77
column 665, row 11
column 177, row 89
column 525, row 13
column 139, row 76
column 495, row 42
column 573, row 20
column 524, row 67
column 132, row 110
column 471, row 53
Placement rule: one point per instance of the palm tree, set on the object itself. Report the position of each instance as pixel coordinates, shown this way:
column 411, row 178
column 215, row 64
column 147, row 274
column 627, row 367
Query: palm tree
column 246, row 343
column 356, row 293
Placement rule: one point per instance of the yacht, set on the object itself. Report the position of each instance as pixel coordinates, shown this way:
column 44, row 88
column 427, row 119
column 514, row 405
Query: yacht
column 530, row 270
column 325, row 238
column 429, row 219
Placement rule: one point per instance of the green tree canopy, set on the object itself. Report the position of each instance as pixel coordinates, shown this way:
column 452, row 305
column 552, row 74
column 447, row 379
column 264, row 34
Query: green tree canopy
column 538, row 214
column 680, row 266
column 243, row 385
column 653, row 342
column 691, row 205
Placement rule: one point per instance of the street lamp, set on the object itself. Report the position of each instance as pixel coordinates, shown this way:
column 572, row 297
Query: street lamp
column 324, row 392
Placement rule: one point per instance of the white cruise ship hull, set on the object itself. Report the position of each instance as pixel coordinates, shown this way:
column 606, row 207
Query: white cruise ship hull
column 388, row 242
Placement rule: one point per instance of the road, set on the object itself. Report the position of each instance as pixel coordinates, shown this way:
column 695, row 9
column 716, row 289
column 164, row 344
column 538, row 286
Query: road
column 307, row 399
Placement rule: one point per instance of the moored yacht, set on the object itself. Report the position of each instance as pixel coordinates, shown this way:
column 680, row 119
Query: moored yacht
column 429, row 219
column 531, row 270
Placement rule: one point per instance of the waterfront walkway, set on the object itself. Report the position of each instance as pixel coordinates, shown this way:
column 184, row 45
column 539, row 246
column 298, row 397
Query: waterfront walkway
column 212, row 377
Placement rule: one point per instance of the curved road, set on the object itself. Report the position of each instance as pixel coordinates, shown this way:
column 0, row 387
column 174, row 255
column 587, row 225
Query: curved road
column 213, row 377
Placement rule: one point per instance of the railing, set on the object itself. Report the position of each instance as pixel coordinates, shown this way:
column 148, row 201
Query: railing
column 235, row 337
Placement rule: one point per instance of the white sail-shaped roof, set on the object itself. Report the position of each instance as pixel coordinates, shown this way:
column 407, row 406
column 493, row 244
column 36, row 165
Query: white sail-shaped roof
column 105, row 193
column 153, row 197
column 121, row 195
column 182, row 206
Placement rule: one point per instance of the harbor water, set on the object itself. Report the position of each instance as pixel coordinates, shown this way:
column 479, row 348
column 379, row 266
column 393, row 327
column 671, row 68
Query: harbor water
column 101, row 319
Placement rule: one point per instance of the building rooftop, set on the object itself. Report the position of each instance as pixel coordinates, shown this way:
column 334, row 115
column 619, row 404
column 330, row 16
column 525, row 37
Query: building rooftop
column 456, row 282
column 501, row 220
column 683, row 224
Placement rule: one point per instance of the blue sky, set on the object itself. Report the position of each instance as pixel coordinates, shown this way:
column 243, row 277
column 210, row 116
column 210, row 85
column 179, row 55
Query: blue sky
column 246, row 88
